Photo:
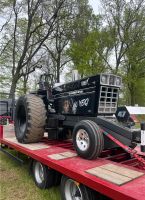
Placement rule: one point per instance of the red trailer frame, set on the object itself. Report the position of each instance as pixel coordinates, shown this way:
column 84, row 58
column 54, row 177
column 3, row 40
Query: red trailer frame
column 75, row 167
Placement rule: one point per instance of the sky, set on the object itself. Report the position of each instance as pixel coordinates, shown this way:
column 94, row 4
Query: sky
column 95, row 5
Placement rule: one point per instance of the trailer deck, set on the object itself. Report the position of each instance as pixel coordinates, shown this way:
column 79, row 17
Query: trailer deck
column 115, row 173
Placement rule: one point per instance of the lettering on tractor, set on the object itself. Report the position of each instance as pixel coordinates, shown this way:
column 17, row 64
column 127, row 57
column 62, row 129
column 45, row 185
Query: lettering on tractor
column 121, row 114
column 83, row 102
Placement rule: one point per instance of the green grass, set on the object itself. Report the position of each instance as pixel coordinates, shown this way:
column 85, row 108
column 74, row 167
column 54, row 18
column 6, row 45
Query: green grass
column 17, row 184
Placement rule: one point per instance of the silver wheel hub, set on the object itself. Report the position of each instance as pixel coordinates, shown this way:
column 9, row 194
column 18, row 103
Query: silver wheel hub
column 82, row 140
column 72, row 191
column 39, row 173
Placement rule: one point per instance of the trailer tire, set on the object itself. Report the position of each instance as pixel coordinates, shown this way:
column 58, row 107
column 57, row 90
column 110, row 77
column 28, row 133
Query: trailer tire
column 30, row 118
column 88, row 139
column 71, row 190
column 43, row 175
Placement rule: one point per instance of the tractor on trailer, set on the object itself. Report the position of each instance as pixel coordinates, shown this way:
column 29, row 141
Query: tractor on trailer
column 80, row 109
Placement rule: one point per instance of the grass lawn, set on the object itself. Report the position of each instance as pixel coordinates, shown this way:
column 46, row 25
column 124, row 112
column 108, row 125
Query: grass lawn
column 17, row 184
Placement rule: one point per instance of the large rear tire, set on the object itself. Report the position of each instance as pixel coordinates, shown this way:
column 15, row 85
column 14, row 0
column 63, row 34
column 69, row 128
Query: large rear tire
column 88, row 139
column 30, row 118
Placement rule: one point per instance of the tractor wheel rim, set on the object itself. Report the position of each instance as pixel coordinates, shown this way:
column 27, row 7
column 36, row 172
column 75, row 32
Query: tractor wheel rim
column 82, row 140
column 39, row 173
column 72, row 191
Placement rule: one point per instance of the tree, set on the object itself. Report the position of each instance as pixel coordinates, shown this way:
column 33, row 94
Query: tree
column 135, row 71
column 87, row 56
column 73, row 24
column 26, row 42
column 135, row 55
column 85, row 46
column 125, row 21
column 60, row 38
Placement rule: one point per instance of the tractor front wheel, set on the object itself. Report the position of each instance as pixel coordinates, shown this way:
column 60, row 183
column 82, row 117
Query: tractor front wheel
column 88, row 139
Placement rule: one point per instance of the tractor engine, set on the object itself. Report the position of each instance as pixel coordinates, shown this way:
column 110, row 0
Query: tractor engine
column 96, row 95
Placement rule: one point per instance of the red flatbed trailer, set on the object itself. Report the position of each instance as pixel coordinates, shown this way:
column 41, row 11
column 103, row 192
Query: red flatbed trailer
column 60, row 156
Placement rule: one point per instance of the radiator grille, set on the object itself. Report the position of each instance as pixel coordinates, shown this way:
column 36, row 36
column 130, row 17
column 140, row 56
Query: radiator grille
column 108, row 99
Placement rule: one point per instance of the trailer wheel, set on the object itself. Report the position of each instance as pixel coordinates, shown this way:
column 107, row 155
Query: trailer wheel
column 30, row 117
column 72, row 190
column 88, row 139
column 43, row 176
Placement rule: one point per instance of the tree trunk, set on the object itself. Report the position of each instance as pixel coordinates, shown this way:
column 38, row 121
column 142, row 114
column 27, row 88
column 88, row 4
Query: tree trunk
column 25, row 87
column 12, row 96
column 25, row 84
column 58, row 70
column 132, row 94
column 58, row 78
column 132, row 100
column 13, row 89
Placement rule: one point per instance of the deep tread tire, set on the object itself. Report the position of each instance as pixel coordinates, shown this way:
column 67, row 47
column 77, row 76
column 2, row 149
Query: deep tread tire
column 87, row 193
column 30, row 118
column 96, row 139
column 48, row 175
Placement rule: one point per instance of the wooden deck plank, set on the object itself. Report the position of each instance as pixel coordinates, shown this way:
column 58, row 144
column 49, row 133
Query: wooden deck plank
column 109, row 176
column 68, row 154
column 122, row 171
column 63, row 155
column 114, row 173
column 56, row 156
column 33, row 146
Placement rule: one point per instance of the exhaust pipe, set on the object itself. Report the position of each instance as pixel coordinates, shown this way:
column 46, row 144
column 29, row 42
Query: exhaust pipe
column 143, row 137
column 75, row 75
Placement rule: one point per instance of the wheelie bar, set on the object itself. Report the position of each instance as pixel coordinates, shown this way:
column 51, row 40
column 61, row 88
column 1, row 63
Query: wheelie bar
column 118, row 129
column 126, row 148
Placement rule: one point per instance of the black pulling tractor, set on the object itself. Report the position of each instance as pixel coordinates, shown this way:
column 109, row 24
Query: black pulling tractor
column 77, row 110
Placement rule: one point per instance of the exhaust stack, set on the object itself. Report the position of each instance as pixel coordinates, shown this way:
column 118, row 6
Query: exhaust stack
column 75, row 75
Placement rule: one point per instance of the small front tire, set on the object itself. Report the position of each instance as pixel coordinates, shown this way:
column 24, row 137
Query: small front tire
column 88, row 139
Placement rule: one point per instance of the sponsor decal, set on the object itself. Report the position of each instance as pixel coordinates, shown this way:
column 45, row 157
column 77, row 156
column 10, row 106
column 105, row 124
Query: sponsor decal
column 83, row 102
column 71, row 107
column 121, row 114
